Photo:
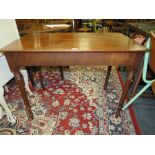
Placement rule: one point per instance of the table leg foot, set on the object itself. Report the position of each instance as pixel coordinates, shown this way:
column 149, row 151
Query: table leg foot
column 118, row 113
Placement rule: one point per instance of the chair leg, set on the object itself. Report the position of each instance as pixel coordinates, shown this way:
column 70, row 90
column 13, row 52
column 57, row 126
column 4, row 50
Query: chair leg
column 10, row 117
column 61, row 71
column 136, row 96
column 25, row 77
column 107, row 77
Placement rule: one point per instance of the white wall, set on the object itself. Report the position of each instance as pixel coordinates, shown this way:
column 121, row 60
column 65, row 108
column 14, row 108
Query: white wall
column 8, row 34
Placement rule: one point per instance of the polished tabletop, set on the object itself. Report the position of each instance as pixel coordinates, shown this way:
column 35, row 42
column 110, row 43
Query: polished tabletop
column 79, row 42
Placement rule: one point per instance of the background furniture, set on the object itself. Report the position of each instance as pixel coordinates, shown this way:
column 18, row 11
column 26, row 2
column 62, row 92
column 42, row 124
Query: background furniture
column 91, row 25
column 148, row 59
column 140, row 36
column 86, row 26
column 140, row 32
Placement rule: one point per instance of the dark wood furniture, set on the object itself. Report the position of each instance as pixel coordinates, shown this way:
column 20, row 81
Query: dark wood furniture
column 44, row 28
column 63, row 49
column 142, row 29
column 137, row 29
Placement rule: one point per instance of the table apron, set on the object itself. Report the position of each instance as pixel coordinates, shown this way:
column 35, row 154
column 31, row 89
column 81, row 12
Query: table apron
column 67, row 58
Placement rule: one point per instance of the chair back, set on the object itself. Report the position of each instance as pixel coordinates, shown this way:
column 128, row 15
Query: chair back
column 152, row 52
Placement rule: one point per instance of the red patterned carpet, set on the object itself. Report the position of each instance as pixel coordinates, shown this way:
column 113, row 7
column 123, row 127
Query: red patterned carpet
column 77, row 105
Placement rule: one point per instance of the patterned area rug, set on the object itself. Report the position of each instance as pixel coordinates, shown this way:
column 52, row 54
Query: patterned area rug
column 78, row 105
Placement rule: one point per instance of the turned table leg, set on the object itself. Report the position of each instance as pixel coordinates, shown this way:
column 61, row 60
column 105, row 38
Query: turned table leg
column 10, row 117
column 137, row 80
column 20, row 84
column 125, row 91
